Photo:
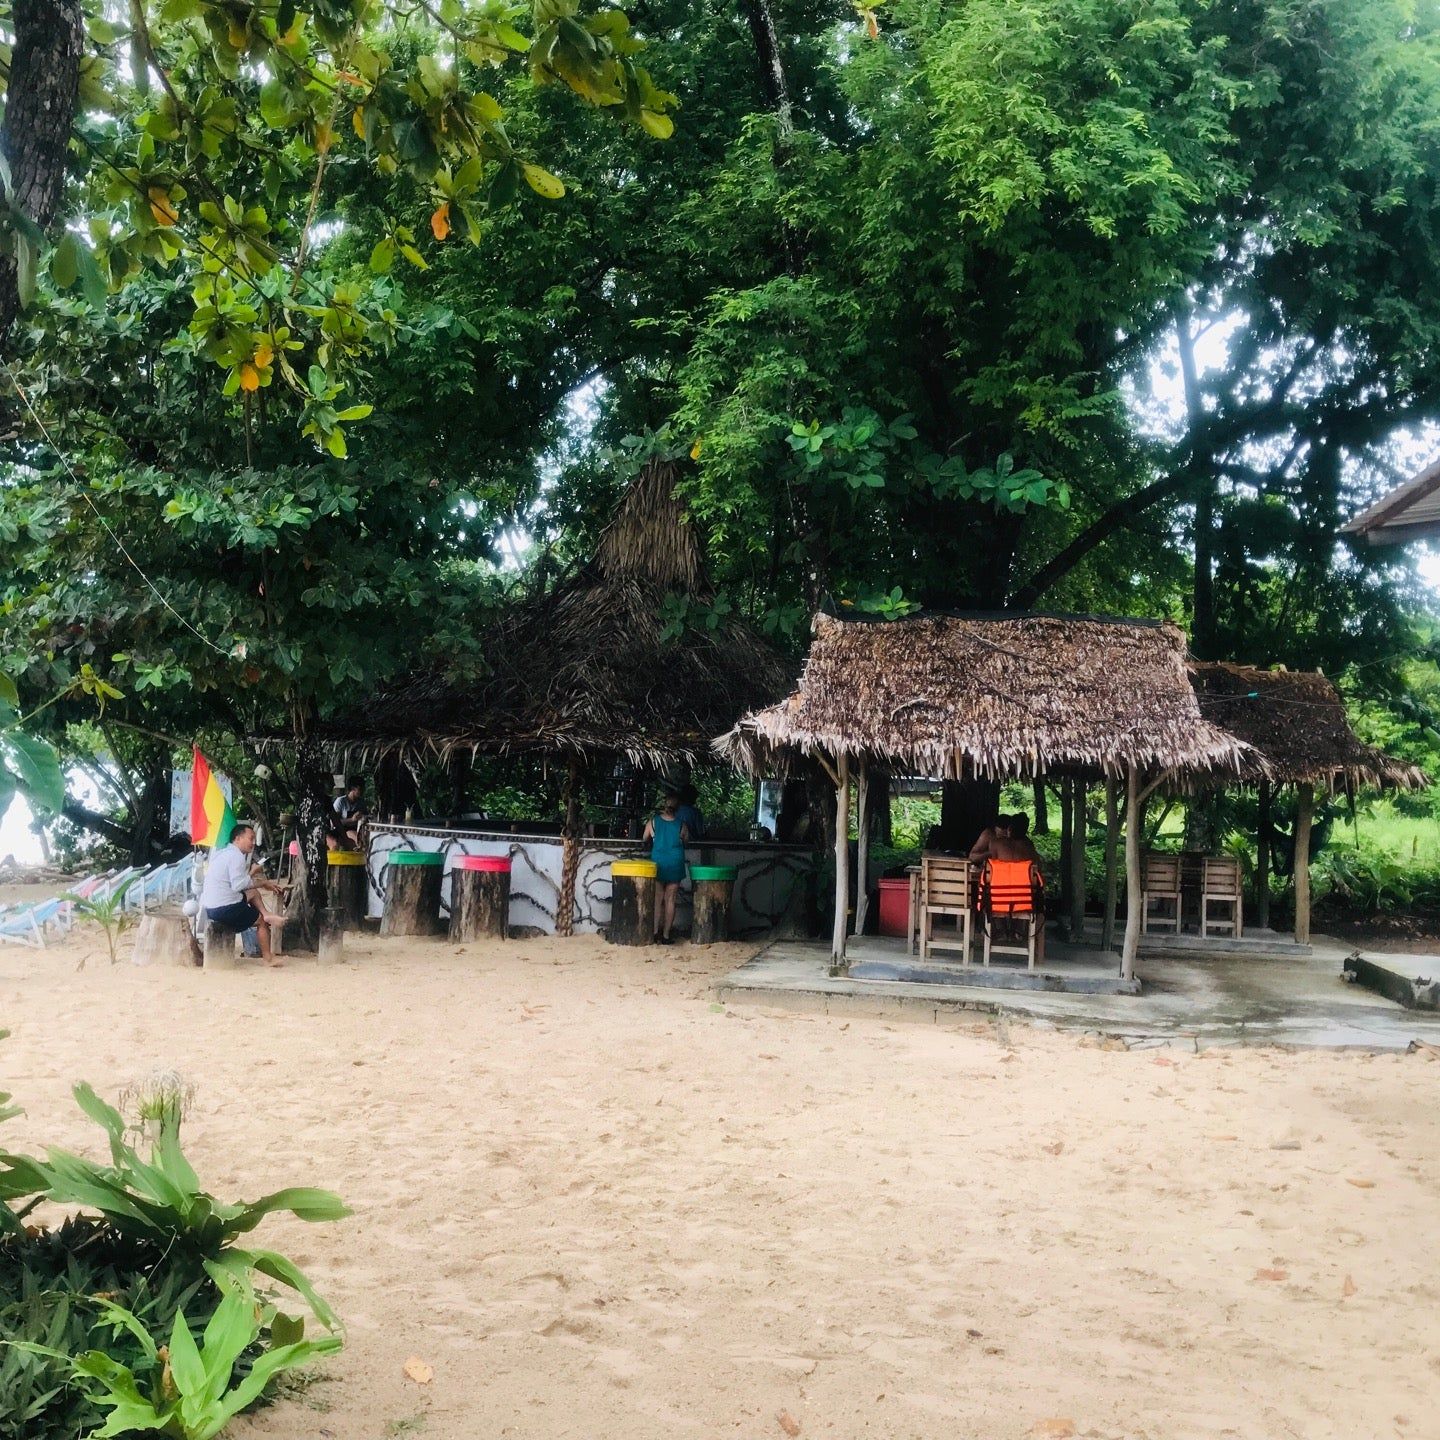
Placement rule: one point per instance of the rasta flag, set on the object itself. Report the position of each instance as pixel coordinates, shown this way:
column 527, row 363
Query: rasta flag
column 211, row 818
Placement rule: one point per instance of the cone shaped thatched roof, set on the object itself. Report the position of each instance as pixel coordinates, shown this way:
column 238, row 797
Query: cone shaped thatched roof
column 995, row 696
column 1296, row 720
column 589, row 667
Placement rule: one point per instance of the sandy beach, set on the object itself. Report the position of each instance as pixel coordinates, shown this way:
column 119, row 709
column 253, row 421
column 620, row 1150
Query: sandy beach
column 599, row 1205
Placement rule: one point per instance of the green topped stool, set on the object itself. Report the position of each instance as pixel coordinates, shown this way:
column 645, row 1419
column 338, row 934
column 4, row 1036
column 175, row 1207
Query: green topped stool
column 412, row 892
column 714, row 891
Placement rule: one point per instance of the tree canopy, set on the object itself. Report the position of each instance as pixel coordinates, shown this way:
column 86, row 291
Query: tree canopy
column 348, row 321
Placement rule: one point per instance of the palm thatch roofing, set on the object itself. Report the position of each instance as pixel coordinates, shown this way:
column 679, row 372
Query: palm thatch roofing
column 1296, row 720
column 593, row 666
column 1002, row 697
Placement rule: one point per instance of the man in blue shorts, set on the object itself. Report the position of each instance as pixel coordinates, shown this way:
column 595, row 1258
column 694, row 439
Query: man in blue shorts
column 229, row 893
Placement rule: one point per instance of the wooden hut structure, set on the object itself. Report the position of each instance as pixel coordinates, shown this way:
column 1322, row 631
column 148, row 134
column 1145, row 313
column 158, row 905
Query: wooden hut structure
column 589, row 669
column 1295, row 721
column 995, row 697
column 1409, row 512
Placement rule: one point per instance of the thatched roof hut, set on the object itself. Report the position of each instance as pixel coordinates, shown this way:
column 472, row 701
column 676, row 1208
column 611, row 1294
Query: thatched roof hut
column 590, row 668
column 1296, row 721
column 1001, row 697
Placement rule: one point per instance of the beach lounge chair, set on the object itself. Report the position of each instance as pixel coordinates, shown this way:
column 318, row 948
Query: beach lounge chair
column 1220, row 886
column 1012, row 893
column 945, row 893
column 1160, row 886
column 30, row 924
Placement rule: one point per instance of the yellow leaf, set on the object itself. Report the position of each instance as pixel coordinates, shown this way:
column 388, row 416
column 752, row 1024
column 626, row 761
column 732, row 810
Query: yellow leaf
column 542, row 182
column 161, row 206
column 264, row 354
column 695, row 450
column 239, row 40
column 662, row 127
column 440, row 220
column 358, row 121
column 323, row 136
column 418, row 1371
column 249, row 377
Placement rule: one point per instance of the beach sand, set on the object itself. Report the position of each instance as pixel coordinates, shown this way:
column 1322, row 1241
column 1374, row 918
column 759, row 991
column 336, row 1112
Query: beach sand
column 597, row 1204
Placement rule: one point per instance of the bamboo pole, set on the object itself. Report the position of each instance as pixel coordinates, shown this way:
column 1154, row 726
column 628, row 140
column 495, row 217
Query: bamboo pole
column 1077, row 861
column 1262, row 859
column 1112, row 879
column 1304, row 815
column 842, row 860
column 862, row 846
column 1133, row 898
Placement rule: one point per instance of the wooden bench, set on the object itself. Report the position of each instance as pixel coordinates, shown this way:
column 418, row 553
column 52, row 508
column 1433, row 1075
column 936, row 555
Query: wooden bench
column 1160, row 885
column 1220, row 885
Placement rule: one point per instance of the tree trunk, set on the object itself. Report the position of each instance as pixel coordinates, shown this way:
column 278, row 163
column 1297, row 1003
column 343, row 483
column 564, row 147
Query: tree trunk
column 155, row 795
column 457, row 771
column 330, row 947
column 40, row 106
column 711, row 916
column 350, row 893
column 1067, row 869
column 394, row 788
column 1134, row 819
column 570, row 853
column 1077, row 861
column 1042, row 807
column 772, row 71
column 312, row 821
column 632, row 910
column 841, row 919
column 862, row 848
column 882, row 828
column 1263, row 837
column 165, row 938
column 1304, row 814
column 479, row 904
column 1112, row 822
column 966, row 808
column 412, row 900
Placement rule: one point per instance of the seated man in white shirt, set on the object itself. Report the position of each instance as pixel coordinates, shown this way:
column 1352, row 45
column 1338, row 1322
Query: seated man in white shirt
column 229, row 893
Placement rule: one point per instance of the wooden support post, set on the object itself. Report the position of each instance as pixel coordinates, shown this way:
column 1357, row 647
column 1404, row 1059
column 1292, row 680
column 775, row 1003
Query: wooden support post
column 1077, row 861
column 165, row 938
column 1262, row 857
column 1067, row 870
column 1133, row 898
column 412, row 899
column 1304, row 815
column 1112, row 826
column 842, row 861
column 570, row 853
column 480, row 904
column 862, row 847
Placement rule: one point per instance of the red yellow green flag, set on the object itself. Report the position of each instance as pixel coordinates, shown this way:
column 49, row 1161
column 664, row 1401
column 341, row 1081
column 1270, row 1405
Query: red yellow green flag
column 211, row 818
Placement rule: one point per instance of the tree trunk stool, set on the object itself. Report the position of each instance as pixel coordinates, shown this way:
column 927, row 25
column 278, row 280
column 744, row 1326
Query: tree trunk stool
column 714, row 889
column 413, row 879
column 632, row 902
column 165, row 938
column 349, row 884
column 331, row 946
column 220, row 948
column 480, row 897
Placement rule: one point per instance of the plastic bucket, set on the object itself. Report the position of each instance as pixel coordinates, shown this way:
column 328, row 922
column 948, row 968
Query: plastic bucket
column 415, row 857
column 642, row 869
column 894, row 907
column 495, row 864
column 344, row 857
column 714, row 872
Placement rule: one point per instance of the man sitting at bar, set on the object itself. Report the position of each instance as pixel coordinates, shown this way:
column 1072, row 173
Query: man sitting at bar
column 350, row 815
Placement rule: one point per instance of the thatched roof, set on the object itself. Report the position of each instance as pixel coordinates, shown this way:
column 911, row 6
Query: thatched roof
column 1297, row 721
column 997, row 696
column 587, row 668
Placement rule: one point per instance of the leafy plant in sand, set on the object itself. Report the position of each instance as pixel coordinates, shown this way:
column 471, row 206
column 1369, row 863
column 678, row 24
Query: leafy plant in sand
column 109, row 912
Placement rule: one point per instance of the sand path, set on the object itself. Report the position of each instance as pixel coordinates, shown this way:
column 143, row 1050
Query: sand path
column 601, row 1206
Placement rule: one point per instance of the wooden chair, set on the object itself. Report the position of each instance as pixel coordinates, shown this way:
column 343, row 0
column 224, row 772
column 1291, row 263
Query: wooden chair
column 1010, row 891
column 1220, row 885
column 1160, row 885
column 945, row 890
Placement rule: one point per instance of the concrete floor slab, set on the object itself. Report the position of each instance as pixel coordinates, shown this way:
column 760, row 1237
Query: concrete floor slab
column 1298, row 1001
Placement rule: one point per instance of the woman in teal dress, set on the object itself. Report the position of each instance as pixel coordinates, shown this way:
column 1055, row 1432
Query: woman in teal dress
column 667, row 835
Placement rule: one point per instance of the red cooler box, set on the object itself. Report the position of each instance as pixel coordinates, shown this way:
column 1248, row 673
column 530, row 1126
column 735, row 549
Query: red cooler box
column 894, row 907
